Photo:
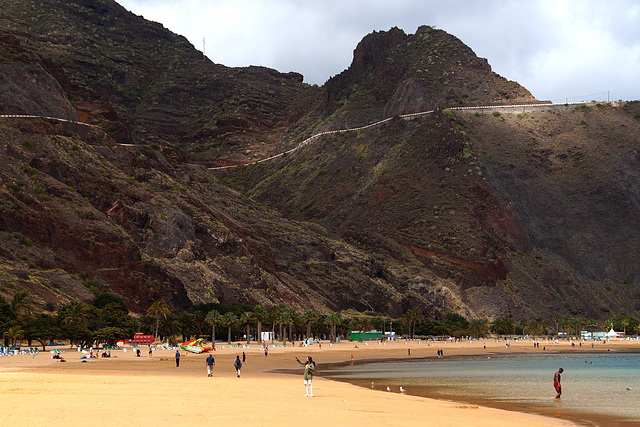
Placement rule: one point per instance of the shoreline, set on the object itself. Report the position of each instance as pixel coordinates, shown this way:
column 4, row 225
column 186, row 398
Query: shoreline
column 578, row 417
column 153, row 389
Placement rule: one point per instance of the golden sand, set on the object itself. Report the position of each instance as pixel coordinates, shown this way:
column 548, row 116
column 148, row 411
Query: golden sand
column 151, row 390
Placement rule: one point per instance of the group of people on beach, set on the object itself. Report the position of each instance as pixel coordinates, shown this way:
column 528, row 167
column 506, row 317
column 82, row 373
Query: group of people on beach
column 309, row 367
column 237, row 364
column 210, row 363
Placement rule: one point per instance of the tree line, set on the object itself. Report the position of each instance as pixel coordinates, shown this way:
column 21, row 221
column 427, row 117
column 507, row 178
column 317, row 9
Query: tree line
column 107, row 320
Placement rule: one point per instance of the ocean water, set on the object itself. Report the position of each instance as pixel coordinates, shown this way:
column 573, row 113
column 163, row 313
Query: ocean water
column 597, row 388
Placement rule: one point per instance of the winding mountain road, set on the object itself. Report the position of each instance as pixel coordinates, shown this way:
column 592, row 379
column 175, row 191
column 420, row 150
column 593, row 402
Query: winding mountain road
column 515, row 108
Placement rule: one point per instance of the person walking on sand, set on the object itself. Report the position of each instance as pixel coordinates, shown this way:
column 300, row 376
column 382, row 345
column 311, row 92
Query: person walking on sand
column 177, row 358
column 309, row 367
column 238, row 365
column 244, row 358
column 556, row 382
column 210, row 362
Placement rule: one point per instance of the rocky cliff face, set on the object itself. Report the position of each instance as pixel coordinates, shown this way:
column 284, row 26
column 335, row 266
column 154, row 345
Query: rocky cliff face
column 472, row 206
column 81, row 214
column 144, row 84
column 395, row 73
column 27, row 83
column 520, row 214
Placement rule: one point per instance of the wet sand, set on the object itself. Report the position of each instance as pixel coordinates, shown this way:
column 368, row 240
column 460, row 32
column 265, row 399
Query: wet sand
column 126, row 388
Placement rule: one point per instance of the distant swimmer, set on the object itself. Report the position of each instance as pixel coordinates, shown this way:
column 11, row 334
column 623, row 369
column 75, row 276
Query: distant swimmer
column 556, row 382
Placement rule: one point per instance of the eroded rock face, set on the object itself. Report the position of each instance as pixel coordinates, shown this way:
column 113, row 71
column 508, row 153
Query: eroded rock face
column 372, row 49
column 409, row 97
column 173, row 230
column 26, row 87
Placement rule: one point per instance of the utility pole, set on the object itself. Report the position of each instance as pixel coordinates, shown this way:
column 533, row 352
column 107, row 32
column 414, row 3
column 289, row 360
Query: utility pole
column 203, row 54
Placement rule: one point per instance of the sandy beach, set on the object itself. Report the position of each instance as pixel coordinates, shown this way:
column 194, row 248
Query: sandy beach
column 126, row 388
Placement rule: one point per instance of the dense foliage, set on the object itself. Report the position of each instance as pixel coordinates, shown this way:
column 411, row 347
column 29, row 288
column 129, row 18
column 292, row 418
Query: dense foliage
column 107, row 320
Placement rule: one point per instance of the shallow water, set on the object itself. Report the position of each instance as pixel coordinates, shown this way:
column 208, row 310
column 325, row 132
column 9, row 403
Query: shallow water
column 607, row 385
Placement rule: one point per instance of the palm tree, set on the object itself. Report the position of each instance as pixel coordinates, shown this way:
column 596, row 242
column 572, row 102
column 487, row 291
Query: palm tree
column 229, row 320
column 364, row 322
column 581, row 323
column 333, row 319
column 294, row 318
column 169, row 327
column 213, row 317
column 259, row 314
column 75, row 312
column 523, row 325
column 198, row 318
column 19, row 304
column 246, row 320
column 479, row 327
column 566, row 323
column 624, row 322
column 556, row 322
column 503, row 326
column 158, row 309
column 146, row 324
column 273, row 316
column 187, row 324
column 14, row 333
column 308, row 317
column 535, row 328
column 591, row 324
column 413, row 316
column 284, row 319
column 545, row 324
column 417, row 319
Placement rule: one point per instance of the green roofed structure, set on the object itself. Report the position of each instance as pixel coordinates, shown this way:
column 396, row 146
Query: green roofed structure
column 372, row 335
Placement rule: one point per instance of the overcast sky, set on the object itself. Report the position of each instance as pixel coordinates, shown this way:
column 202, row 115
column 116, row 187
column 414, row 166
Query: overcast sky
column 558, row 49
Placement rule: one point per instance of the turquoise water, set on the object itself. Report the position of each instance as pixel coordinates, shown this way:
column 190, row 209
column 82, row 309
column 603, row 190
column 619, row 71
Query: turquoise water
column 607, row 385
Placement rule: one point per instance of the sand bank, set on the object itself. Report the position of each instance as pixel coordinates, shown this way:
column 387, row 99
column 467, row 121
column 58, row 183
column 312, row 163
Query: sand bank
column 152, row 390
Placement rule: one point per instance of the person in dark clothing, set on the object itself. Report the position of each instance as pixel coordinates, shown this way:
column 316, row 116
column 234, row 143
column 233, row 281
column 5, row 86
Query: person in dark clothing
column 238, row 365
column 177, row 358
column 210, row 362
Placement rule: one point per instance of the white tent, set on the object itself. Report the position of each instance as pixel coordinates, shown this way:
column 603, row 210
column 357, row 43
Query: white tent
column 612, row 334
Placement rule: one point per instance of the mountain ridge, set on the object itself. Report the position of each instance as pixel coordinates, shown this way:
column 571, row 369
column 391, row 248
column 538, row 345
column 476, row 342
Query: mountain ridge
column 442, row 213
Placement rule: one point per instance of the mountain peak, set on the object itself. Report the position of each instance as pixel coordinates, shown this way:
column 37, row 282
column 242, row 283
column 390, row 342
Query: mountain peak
column 435, row 64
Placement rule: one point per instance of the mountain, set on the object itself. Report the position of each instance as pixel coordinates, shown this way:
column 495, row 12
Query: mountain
column 526, row 213
column 394, row 73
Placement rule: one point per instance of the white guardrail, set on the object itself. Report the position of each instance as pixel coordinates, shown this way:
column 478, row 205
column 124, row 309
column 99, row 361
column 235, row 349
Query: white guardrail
column 403, row 116
column 330, row 132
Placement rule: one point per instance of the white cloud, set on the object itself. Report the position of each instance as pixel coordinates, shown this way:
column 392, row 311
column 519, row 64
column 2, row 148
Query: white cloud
column 556, row 49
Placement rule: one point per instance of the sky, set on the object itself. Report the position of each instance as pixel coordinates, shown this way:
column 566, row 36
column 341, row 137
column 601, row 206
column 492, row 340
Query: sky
column 560, row 50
